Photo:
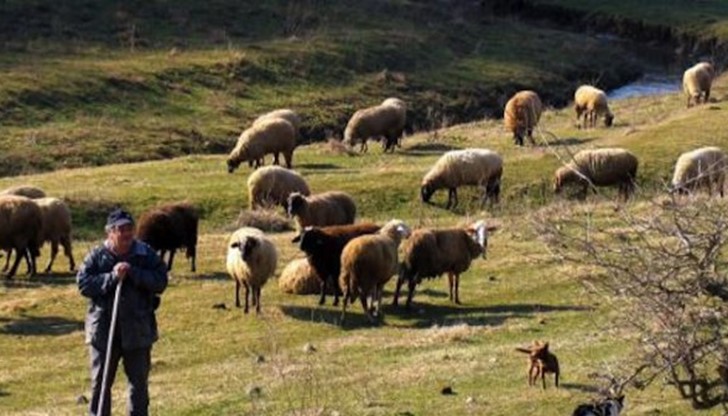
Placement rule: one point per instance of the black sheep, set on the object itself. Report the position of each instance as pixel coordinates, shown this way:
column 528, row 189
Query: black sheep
column 170, row 227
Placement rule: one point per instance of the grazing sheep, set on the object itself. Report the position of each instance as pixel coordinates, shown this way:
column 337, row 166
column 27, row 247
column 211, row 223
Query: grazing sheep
column 387, row 120
column 56, row 229
column 475, row 167
column 286, row 114
column 251, row 260
column 521, row 115
column 367, row 264
column 27, row 191
column 599, row 167
column 323, row 247
column 169, row 227
column 320, row 210
column 274, row 135
column 271, row 185
column 592, row 103
column 299, row 278
column 702, row 167
column 429, row 253
column 608, row 406
column 697, row 81
column 21, row 230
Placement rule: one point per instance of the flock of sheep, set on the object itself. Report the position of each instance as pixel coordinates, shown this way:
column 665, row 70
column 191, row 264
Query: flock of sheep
column 357, row 260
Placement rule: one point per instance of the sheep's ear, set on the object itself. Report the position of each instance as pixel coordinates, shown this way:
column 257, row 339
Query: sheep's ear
column 235, row 244
column 491, row 228
column 297, row 238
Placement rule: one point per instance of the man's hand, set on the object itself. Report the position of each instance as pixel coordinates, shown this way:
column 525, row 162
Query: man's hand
column 121, row 270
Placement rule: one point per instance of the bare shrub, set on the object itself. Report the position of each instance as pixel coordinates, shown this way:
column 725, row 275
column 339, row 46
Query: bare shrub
column 664, row 268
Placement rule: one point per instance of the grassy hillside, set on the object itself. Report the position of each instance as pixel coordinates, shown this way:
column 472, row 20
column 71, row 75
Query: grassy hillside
column 701, row 18
column 78, row 89
column 206, row 360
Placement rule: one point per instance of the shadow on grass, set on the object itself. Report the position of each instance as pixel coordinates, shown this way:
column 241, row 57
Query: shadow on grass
column 317, row 166
column 423, row 315
column 584, row 388
column 43, row 325
column 570, row 141
column 428, row 148
column 216, row 276
column 40, row 280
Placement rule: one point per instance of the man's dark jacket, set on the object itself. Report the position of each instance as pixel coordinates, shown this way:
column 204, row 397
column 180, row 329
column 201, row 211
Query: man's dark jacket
column 136, row 324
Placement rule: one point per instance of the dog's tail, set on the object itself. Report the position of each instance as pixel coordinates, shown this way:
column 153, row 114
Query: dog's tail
column 526, row 350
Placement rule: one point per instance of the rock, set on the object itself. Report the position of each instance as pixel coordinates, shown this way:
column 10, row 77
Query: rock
column 447, row 391
column 81, row 399
column 259, row 359
column 309, row 348
column 254, row 392
column 219, row 306
column 492, row 278
column 470, row 400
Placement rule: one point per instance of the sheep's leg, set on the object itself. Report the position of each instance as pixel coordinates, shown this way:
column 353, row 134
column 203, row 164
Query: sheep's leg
column 288, row 156
column 335, row 286
column 237, row 293
column 411, row 286
column 543, row 379
column 450, row 285
column 247, row 296
column 7, row 259
column 400, row 280
column 707, row 96
column 322, row 299
column 192, row 254
column 54, row 253
column 30, row 263
column 68, row 252
column 16, row 263
column 688, row 104
column 363, row 300
column 171, row 259
column 457, row 289
column 275, row 158
column 256, row 296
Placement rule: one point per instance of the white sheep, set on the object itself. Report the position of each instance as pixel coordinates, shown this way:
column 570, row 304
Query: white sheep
column 702, row 167
column 522, row 114
column 251, row 260
column 367, row 264
column 473, row 167
column 591, row 103
column 56, row 228
column 599, row 167
column 273, row 135
column 429, row 253
column 697, row 81
column 286, row 114
column 384, row 120
column 27, row 191
column 271, row 185
column 320, row 210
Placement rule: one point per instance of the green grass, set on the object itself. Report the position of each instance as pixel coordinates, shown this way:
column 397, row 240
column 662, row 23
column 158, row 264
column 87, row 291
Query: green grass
column 701, row 18
column 79, row 97
column 204, row 362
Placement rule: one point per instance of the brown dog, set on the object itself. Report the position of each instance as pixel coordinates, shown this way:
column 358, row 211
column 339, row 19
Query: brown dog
column 541, row 361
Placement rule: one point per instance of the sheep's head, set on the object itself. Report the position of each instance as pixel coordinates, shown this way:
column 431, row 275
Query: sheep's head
column 608, row 119
column 397, row 230
column 480, row 231
column 295, row 203
column 426, row 192
column 232, row 165
column 246, row 248
column 309, row 239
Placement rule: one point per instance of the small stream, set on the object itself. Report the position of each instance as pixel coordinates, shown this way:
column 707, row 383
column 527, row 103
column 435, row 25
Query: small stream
column 648, row 84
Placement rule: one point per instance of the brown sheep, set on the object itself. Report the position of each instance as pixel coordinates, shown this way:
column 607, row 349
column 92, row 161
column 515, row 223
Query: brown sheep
column 591, row 103
column 56, row 229
column 21, row 230
column 521, row 115
column 321, row 210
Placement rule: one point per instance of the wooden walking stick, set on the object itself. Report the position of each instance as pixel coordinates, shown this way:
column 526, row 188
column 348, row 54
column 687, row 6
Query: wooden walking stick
column 109, row 343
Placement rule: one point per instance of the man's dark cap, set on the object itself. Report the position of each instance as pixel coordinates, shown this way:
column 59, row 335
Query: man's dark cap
column 117, row 218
